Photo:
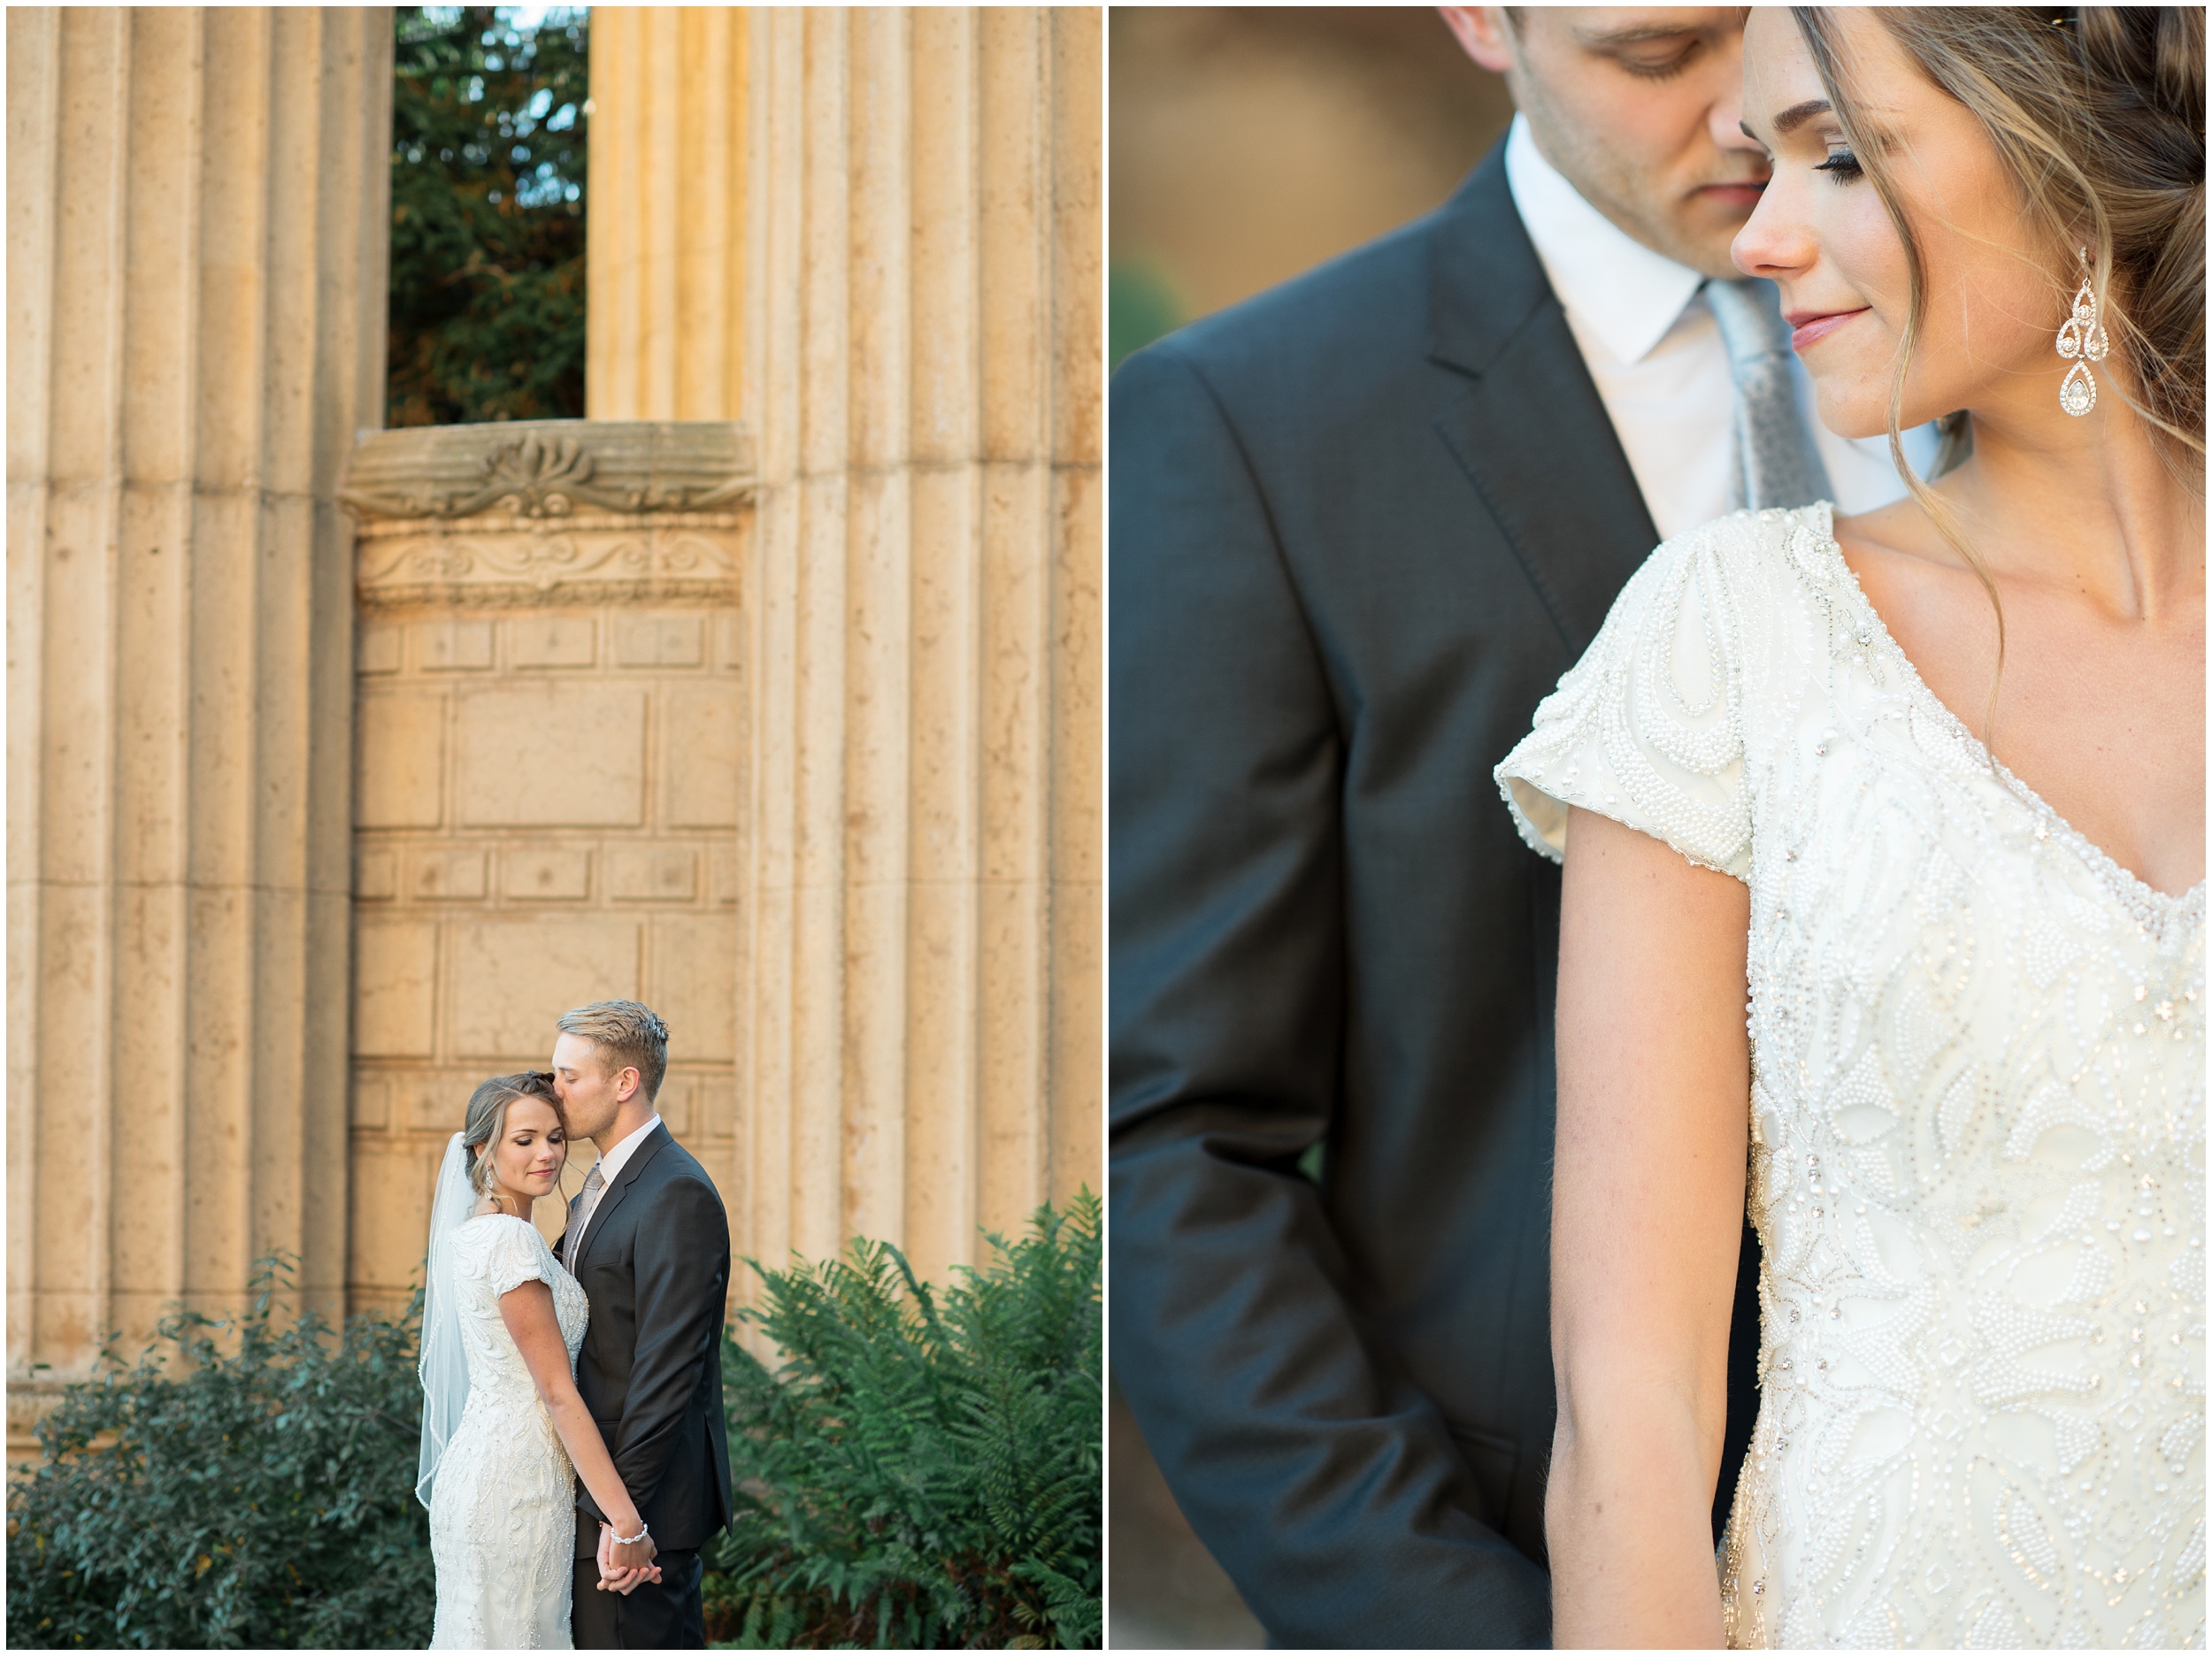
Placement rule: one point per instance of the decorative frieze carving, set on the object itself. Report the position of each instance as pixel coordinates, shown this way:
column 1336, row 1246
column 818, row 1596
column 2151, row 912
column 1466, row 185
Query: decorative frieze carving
column 550, row 468
column 541, row 511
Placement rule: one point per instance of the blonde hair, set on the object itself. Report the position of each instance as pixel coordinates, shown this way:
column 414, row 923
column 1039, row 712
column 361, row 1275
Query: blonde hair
column 630, row 1035
column 486, row 1118
column 2097, row 114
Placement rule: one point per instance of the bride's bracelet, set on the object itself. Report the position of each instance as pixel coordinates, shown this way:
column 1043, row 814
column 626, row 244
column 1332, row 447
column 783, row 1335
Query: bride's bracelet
column 643, row 1529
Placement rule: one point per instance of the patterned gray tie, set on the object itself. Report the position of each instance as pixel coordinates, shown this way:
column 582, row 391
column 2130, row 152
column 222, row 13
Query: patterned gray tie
column 1775, row 463
column 580, row 1210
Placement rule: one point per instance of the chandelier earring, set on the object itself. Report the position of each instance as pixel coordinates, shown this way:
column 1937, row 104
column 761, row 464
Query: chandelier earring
column 2081, row 341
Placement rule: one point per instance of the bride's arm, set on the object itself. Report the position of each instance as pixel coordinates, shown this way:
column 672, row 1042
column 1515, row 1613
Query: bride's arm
column 528, row 1310
column 1648, row 1201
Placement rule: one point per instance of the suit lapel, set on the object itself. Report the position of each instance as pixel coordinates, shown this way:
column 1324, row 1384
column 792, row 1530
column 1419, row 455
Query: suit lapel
column 639, row 1161
column 1527, row 427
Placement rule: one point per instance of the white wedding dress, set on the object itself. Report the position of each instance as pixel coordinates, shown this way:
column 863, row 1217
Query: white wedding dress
column 502, row 1514
column 1976, row 1120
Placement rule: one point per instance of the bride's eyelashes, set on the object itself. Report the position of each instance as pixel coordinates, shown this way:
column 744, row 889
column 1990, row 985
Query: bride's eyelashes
column 1841, row 166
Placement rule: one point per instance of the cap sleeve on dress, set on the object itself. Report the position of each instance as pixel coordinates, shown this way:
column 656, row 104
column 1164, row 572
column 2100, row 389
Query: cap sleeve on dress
column 1646, row 728
column 516, row 1255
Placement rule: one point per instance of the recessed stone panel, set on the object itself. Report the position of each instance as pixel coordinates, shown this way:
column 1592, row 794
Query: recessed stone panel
column 694, row 986
column 448, row 875
column 651, row 874
column 375, row 876
column 372, row 1103
column 450, row 646
column 722, row 873
column 673, row 1104
column 391, row 1215
column 512, row 979
column 657, row 641
column 552, row 640
column 399, row 757
column 702, row 743
column 378, row 651
column 395, row 973
column 554, row 875
column 553, row 755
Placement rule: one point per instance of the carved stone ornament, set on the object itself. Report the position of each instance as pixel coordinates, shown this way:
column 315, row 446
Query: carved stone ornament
column 550, row 468
column 551, row 511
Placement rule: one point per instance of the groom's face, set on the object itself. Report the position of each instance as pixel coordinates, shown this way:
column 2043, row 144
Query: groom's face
column 1638, row 107
column 591, row 1090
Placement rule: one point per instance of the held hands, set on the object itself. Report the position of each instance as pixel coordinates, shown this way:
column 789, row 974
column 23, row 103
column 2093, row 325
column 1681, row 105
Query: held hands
column 621, row 1568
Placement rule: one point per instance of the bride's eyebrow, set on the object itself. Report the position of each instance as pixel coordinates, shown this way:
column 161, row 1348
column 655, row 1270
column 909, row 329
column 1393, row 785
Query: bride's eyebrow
column 1790, row 120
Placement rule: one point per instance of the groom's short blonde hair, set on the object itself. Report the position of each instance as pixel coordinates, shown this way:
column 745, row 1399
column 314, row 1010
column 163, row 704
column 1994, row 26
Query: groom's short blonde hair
column 629, row 1036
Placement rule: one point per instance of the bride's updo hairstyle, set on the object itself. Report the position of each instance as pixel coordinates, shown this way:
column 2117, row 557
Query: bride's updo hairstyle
column 2097, row 113
column 486, row 1118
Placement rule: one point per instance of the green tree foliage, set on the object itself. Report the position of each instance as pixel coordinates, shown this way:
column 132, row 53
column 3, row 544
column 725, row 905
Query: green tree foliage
column 488, row 216
column 923, row 1471
column 242, row 1486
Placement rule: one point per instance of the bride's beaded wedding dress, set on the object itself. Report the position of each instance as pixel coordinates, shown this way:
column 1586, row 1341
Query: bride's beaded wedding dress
column 1977, row 1119
column 503, row 1516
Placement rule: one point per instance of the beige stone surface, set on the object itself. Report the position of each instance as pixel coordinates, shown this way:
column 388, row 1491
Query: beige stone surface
column 399, row 748
column 197, row 202
column 918, row 1020
column 563, row 754
column 514, row 978
column 320, row 817
column 664, row 294
column 556, row 840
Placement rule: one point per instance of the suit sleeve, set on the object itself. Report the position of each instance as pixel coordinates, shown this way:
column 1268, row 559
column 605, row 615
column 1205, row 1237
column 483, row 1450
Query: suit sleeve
column 681, row 1266
column 1325, row 1483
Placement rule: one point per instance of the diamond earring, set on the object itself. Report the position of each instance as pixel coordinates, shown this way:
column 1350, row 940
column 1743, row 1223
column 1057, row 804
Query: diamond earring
column 2081, row 341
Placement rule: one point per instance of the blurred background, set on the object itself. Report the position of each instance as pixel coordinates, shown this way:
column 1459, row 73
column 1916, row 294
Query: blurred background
column 1248, row 144
column 1251, row 142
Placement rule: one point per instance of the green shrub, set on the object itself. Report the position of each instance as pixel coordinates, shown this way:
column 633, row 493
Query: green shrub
column 923, row 1471
column 243, row 1484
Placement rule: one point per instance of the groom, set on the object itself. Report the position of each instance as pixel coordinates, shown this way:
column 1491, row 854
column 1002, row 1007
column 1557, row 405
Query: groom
column 1360, row 524
column 648, row 1241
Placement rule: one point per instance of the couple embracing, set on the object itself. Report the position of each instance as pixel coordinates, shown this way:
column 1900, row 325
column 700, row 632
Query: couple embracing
column 1880, row 800
column 573, row 1452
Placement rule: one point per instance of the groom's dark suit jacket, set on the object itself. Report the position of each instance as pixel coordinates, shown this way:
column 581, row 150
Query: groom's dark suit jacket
column 1360, row 526
column 656, row 1267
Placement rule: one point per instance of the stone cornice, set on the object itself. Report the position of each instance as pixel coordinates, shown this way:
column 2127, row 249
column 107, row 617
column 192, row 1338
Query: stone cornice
column 549, row 511
column 540, row 469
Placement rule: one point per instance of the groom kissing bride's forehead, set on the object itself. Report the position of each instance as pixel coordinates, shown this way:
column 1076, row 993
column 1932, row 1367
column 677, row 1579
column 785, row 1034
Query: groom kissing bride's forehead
column 1362, row 525
column 574, row 1458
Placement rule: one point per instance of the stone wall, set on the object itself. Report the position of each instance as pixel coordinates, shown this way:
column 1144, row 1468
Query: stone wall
column 919, row 839
column 197, row 202
column 795, row 736
column 548, row 738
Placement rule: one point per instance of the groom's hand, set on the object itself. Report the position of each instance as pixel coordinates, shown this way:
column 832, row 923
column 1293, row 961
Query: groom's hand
column 622, row 1568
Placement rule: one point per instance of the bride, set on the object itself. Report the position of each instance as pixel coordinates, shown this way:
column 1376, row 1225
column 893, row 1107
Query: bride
column 502, row 1422
column 1924, row 791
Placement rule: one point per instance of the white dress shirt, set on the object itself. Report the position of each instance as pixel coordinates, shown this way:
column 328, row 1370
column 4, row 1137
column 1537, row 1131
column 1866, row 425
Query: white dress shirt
column 610, row 1165
column 1654, row 352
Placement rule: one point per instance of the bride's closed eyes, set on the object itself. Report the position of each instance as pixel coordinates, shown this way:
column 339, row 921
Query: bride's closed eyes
column 1841, row 165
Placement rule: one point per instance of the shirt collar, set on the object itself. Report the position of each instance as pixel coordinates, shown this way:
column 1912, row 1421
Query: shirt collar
column 611, row 1163
column 1617, row 289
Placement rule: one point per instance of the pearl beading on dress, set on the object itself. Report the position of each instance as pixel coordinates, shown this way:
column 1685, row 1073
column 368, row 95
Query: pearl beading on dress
column 1977, row 1119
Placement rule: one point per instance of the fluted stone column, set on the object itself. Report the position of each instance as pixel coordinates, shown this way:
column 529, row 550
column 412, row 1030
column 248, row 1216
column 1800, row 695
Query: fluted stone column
column 664, row 304
column 197, row 203
column 918, row 1027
